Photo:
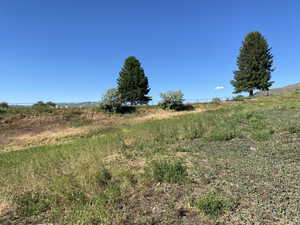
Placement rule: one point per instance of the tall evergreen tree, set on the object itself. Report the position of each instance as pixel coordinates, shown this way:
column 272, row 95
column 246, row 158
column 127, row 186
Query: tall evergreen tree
column 133, row 83
column 255, row 65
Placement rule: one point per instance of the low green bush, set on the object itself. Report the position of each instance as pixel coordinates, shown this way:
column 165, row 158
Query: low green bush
column 293, row 129
column 239, row 98
column 3, row 107
column 104, row 177
column 216, row 101
column 41, row 107
column 211, row 204
column 32, row 203
column 168, row 171
column 172, row 100
column 111, row 101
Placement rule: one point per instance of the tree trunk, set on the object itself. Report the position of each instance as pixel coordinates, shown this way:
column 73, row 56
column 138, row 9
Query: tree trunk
column 251, row 93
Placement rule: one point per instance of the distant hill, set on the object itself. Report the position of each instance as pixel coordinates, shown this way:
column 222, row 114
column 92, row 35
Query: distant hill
column 79, row 104
column 282, row 90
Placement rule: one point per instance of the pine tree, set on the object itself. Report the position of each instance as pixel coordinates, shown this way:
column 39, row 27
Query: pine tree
column 133, row 83
column 255, row 65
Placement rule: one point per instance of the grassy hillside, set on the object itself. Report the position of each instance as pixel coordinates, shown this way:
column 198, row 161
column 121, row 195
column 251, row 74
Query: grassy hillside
column 283, row 90
column 238, row 164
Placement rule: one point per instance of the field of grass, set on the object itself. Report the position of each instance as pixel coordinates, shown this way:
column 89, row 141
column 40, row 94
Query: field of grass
column 238, row 164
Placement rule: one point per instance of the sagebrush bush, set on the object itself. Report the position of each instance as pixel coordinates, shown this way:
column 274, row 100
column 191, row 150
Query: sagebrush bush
column 172, row 100
column 293, row 129
column 239, row 98
column 42, row 107
column 168, row 171
column 111, row 101
column 32, row 203
column 211, row 204
column 104, row 177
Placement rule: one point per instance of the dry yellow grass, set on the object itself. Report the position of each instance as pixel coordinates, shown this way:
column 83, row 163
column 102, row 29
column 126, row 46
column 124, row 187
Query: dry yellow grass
column 159, row 114
column 4, row 207
column 62, row 135
column 44, row 138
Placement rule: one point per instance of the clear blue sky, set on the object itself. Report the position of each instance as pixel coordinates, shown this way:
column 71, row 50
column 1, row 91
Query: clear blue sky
column 72, row 50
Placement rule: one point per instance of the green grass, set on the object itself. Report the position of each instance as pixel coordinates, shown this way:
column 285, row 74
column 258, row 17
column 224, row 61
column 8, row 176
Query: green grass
column 211, row 204
column 240, row 152
column 168, row 171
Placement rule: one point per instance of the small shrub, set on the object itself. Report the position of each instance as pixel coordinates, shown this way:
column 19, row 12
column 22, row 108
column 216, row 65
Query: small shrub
column 262, row 135
column 293, row 129
column 168, row 171
column 32, row 203
column 172, row 100
column 211, row 204
column 51, row 104
column 239, row 98
column 42, row 107
column 216, row 101
column 104, row 177
column 3, row 105
column 111, row 101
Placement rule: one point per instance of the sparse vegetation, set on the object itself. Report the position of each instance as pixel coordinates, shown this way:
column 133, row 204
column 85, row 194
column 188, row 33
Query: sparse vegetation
column 148, row 171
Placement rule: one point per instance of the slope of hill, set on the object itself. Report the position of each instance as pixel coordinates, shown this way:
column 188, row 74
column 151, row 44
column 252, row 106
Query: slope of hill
column 238, row 164
column 282, row 90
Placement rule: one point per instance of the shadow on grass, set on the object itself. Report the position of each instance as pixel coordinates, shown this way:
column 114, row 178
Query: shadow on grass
column 187, row 107
column 126, row 109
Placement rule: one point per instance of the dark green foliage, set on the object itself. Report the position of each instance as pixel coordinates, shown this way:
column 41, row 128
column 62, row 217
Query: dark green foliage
column 293, row 129
column 211, row 204
column 32, row 203
column 168, row 171
column 255, row 65
column 42, row 107
column 3, row 105
column 239, row 98
column 51, row 104
column 133, row 84
column 104, row 177
column 172, row 100
column 216, row 101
